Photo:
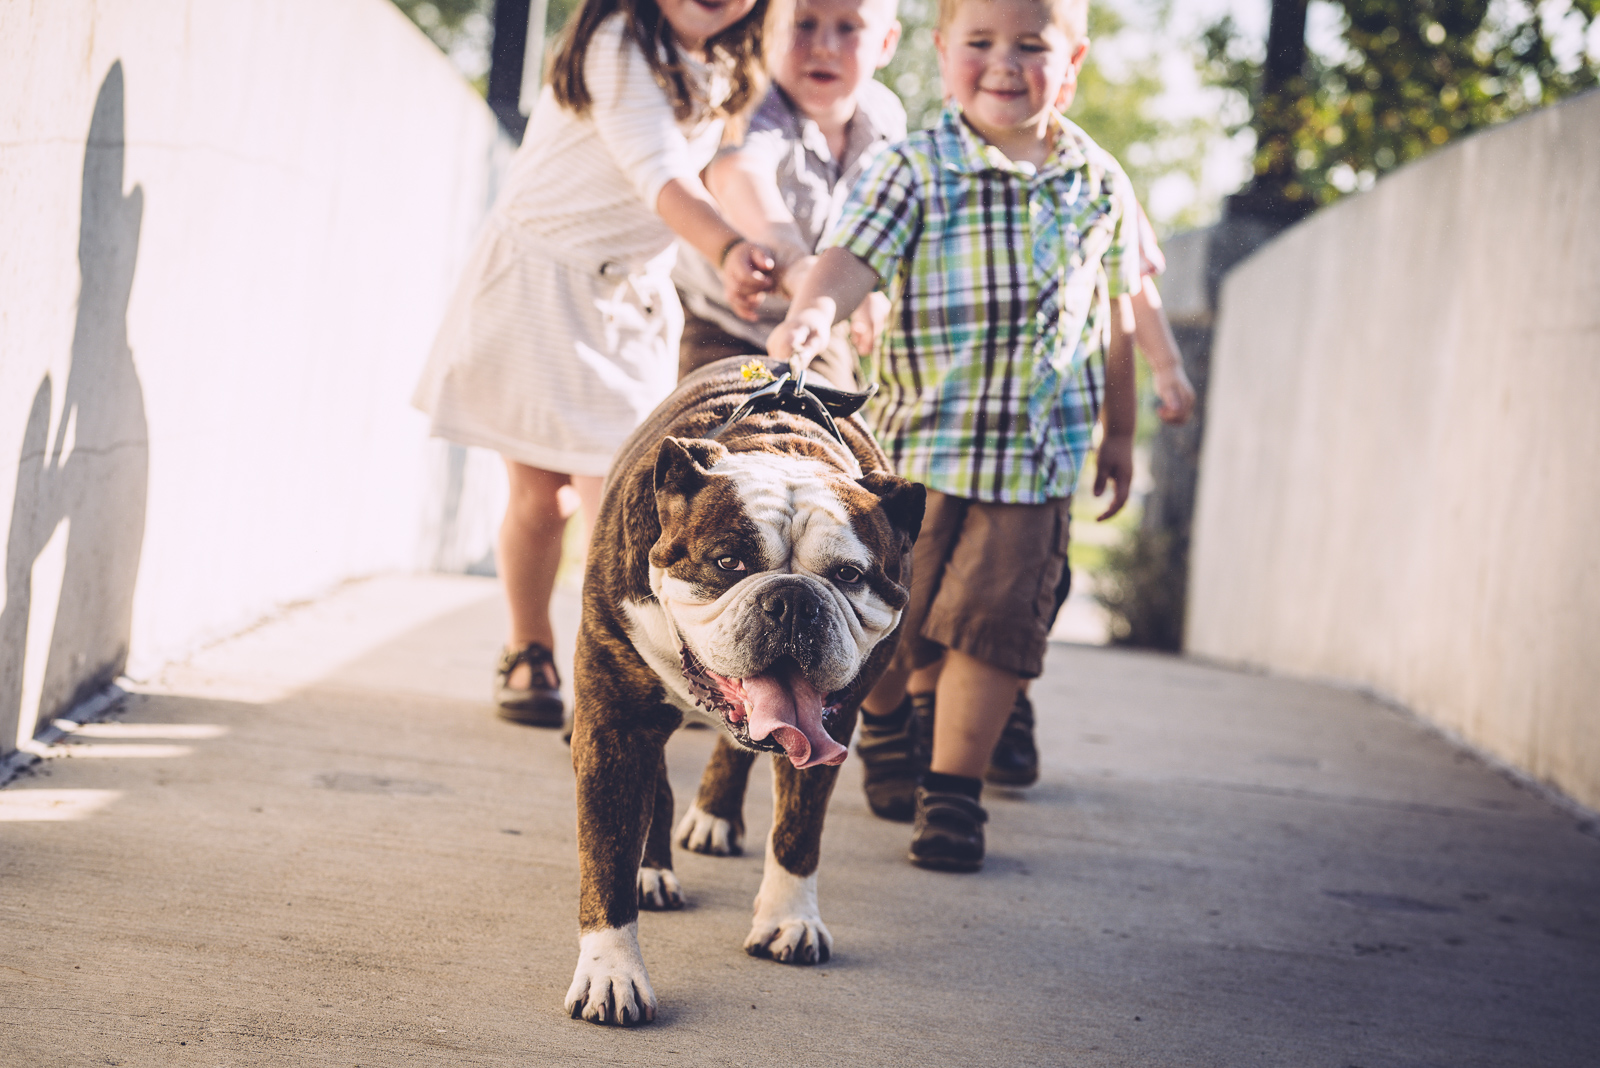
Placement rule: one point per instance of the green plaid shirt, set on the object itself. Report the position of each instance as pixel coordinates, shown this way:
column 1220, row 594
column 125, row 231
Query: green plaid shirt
column 1001, row 278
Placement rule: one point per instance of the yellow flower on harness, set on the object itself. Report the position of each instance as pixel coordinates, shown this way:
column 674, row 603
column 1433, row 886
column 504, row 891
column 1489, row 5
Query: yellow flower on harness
column 756, row 371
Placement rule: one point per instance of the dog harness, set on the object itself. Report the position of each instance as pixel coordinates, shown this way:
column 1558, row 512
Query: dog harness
column 789, row 392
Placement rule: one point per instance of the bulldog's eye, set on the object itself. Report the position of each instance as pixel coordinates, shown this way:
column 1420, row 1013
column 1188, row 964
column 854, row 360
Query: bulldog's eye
column 730, row 563
column 848, row 575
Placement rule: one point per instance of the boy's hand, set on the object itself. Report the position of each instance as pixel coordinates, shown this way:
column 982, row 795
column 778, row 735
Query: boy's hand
column 1176, row 393
column 1114, row 463
column 867, row 322
column 831, row 289
column 748, row 273
column 801, row 336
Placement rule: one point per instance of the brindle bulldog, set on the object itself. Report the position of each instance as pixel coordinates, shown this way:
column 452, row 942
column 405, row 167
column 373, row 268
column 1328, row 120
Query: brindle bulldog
column 755, row 581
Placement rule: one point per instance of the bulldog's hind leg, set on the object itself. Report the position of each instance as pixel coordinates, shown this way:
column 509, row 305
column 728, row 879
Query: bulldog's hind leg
column 715, row 822
column 788, row 926
column 658, row 886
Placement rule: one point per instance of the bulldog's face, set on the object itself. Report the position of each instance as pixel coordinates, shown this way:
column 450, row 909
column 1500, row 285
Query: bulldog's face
column 780, row 574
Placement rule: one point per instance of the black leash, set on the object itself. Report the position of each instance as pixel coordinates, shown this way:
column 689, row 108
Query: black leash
column 790, row 393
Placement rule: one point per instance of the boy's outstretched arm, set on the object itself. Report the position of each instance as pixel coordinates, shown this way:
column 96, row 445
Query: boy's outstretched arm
column 829, row 292
column 1114, row 462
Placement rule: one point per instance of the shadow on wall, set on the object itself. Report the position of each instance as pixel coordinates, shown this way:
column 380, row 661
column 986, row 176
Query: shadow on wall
column 77, row 524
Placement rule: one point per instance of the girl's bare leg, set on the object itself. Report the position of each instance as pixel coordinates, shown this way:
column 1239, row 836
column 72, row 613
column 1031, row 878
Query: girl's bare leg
column 528, row 555
column 588, row 490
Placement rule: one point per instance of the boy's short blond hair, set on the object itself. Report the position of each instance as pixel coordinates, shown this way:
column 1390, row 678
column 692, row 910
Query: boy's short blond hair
column 1071, row 14
column 781, row 16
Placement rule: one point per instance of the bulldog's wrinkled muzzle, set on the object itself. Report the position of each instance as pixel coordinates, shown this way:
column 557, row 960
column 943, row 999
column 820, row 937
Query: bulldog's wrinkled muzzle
column 793, row 622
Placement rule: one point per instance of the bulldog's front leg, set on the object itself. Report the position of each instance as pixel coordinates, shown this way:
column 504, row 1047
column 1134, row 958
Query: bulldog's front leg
column 715, row 822
column 616, row 778
column 788, row 925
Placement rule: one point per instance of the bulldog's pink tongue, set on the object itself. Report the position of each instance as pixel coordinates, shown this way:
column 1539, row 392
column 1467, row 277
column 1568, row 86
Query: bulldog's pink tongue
column 788, row 710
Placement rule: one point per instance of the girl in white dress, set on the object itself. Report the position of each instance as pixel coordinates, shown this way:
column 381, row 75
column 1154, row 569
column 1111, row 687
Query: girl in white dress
column 563, row 333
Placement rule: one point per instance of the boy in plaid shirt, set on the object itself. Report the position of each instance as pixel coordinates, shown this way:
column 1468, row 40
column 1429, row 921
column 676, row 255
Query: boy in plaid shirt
column 1006, row 238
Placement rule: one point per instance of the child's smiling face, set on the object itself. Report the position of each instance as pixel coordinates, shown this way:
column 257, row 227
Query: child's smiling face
column 1008, row 63
column 694, row 22
column 833, row 48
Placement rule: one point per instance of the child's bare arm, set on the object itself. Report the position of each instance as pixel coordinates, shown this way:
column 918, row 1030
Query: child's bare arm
column 747, row 269
column 747, row 189
column 1154, row 336
column 866, row 322
column 832, row 288
column 1114, row 463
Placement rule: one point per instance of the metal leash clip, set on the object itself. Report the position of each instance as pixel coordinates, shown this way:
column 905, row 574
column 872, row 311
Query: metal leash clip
column 789, row 393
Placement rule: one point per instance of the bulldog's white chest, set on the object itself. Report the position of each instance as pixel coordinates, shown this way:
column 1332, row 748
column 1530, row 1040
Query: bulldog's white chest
column 653, row 637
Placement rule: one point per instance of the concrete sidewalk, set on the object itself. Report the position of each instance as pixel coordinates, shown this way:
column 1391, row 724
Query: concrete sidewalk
column 316, row 845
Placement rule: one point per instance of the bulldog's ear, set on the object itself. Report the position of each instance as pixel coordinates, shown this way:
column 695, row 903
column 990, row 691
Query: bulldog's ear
column 682, row 463
column 903, row 502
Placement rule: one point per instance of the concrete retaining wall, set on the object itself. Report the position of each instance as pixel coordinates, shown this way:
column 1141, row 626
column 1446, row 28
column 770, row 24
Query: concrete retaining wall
column 227, row 232
column 1400, row 483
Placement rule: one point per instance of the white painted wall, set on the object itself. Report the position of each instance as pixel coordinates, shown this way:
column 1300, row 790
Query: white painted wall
column 1400, row 485
column 211, row 319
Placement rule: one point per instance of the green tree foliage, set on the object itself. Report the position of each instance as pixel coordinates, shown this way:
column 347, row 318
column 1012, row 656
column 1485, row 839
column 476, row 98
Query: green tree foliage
column 461, row 29
column 457, row 25
column 1116, row 112
column 556, row 14
column 444, row 21
column 1410, row 75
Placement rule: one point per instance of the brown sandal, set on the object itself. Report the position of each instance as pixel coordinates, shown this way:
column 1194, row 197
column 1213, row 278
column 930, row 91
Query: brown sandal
column 540, row 705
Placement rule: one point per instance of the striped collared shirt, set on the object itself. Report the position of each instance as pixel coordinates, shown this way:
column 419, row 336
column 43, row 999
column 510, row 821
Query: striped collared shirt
column 1001, row 277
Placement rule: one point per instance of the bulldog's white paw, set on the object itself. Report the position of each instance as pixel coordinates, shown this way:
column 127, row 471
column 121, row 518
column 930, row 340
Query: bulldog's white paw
column 610, row 984
column 796, row 940
column 788, row 927
column 659, row 889
column 701, row 832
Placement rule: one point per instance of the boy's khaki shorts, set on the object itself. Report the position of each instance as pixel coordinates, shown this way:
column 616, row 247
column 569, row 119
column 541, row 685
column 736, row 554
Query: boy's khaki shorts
column 983, row 581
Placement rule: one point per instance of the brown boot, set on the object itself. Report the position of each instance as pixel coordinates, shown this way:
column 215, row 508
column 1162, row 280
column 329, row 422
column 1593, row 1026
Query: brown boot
column 893, row 756
column 1015, row 761
column 949, row 832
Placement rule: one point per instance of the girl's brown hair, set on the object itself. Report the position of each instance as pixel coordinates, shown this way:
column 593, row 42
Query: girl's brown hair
column 739, row 46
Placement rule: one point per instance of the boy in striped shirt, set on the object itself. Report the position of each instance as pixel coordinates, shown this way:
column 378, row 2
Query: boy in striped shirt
column 1005, row 237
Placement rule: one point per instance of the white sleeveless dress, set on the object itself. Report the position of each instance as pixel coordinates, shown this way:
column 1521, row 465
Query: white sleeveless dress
column 563, row 332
